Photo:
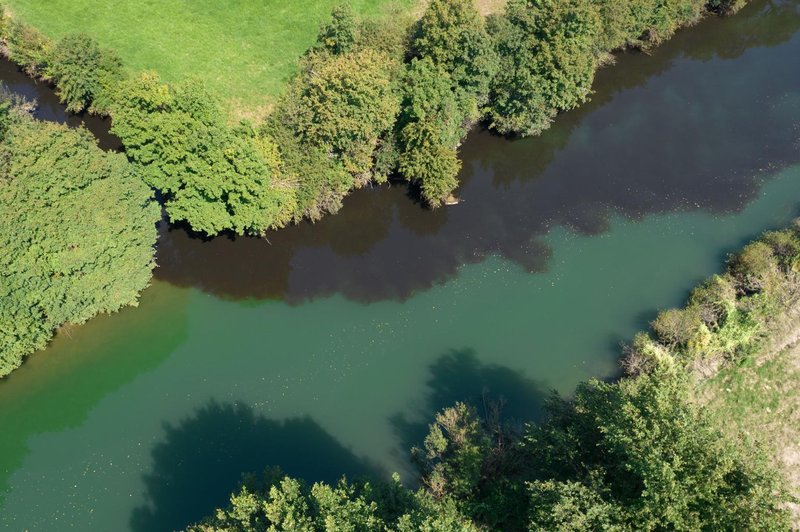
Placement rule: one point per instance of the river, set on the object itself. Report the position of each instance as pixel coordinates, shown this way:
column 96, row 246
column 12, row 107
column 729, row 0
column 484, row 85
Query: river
column 326, row 348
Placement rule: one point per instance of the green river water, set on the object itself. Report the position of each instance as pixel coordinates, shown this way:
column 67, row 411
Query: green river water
column 327, row 349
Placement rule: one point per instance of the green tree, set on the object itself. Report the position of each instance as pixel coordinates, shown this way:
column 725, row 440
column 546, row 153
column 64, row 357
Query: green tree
column 547, row 62
column 432, row 123
column 453, row 35
column 638, row 454
column 340, row 34
column 334, row 119
column 425, row 160
column 84, row 74
column 78, row 229
column 213, row 176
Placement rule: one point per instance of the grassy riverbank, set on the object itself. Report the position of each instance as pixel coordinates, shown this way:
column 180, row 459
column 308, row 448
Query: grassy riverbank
column 245, row 51
column 760, row 400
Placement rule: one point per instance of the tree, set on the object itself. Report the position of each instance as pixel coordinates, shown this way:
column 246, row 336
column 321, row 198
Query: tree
column 78, row 229
column 339, row 35
column 547, row 62
column 432, row 123
column 84, row 74
column 453, row 35
column 427, row 161
column 638, row 454
column 334, row 119
column 213, row 176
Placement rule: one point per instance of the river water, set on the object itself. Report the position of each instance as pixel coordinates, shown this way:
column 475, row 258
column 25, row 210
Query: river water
column 326, row 348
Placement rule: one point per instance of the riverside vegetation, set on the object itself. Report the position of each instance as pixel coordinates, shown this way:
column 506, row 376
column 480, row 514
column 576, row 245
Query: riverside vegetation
column 372, row 99
column 62, row 262
column 643, row 453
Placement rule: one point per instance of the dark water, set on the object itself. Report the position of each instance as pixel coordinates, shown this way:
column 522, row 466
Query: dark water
column 691, row 127
column 48, row 106
column 328, row 348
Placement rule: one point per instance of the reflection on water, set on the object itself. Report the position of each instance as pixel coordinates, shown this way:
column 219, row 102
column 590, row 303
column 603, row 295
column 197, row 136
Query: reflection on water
column 48, row 106
column 202, row 456
column 685, row 128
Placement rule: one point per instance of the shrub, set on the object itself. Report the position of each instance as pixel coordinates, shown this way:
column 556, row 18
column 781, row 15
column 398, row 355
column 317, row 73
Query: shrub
column 754, row 268
column 78, row 233
column 715, row 299
column 675, row 327
column 340, row 34
column 30, row 49
column 84, row 74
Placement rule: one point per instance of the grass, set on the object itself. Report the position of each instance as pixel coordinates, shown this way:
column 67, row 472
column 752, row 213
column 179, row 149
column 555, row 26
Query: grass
column 245, row 50
column 761, row 400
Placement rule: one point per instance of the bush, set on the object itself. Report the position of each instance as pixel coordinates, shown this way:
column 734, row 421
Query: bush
column 675, row 327
column 29, row 48
column 340, row 34
column 715, row 299
column 754, row 268
column 78, row 233
column 84, row 74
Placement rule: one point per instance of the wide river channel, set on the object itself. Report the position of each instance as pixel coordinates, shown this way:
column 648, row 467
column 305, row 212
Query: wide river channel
column 326, row 348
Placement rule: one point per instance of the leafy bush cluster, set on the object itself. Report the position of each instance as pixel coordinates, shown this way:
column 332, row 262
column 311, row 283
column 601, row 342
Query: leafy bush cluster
column 77, row 230
column 630, row 455
column 726, row 317
column 372, row 99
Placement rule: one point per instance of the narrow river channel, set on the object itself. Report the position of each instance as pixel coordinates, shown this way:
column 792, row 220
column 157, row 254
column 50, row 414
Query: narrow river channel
column 328, row 347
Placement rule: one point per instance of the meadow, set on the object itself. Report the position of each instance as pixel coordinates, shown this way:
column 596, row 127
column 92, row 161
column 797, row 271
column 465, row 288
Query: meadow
column 244, row 50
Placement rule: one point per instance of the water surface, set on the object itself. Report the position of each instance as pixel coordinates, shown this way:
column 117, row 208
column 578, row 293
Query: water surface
column 327, row 347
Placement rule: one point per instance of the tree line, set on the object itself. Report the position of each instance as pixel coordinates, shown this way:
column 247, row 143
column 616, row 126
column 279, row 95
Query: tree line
column 372, row 99
column 636, row 454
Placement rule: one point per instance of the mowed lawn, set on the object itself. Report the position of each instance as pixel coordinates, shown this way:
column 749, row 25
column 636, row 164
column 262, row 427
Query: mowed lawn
column 245, row 50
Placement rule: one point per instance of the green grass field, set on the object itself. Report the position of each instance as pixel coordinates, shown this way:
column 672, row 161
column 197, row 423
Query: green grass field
column 761, row 399
column 245, row 50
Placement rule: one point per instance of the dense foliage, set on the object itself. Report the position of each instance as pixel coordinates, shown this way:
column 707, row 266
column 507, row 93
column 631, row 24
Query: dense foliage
column 547, row 65
column 211, row 175
column 371, row 100
column 85, row 75
column 632, row 455
column 727, row 317
column 77, row 228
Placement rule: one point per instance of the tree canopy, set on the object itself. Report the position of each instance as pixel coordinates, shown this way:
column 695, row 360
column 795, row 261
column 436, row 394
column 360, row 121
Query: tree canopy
column 213, row 176
column 78, row 230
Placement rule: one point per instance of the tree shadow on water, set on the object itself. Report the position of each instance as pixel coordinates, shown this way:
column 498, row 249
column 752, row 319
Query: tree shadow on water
column 460, row 376
column 202, row 459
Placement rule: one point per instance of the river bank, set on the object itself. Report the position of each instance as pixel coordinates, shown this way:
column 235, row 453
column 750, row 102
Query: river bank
column 760, row 400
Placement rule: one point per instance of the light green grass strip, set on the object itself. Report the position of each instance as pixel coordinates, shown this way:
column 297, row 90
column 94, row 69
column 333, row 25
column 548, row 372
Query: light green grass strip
column 245, row 50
